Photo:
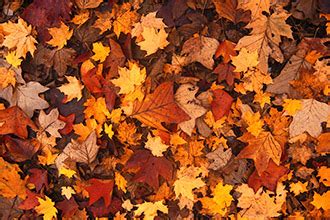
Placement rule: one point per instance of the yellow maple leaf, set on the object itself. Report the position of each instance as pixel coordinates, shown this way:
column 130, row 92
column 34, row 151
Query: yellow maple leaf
column 254, row 122
column 60, row 36
column 321, row 201
column 81, row 18
column 129, row 78
column 100, row 52
column 115, row 115
column 13, row 59
column 125, row 18
column 103, row 21
column 47, row 157
column 156, row 146
column 153, row 40
column 150, row 209
column 66, row 172
column 7, row 77
column 72, row 89
column 298, row 187
column 67, row 191
column 46, row 208
column 245, row 60
column 11, row 184
column 96, row 108
column 121, row 182
column 220, row 201
column 291, row 106
column 262, row 98
column 108, row 130
column 85, row 130
column 18, row 36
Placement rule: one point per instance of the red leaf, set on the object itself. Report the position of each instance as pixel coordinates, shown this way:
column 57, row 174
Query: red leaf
column 68, row 207
column 30, row 202
column 149, row 168
column 100, row 189
column 226, row 49
column 221, row 103
column 20, row 150
column 99, row 210
column 38, row 178
column 268, row 178
column 69, row 120
column 92, row 81
column 226, row 72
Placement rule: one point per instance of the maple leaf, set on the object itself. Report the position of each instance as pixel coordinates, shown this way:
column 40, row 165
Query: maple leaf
column 291, row 106
column 256, row 7
column 50, row 122
column 245, row 60
column 153, row 40
column 298, row 188
column 220, row 201
column 266, row 36
column 199, row 49
column 158, row 107
column 268, row 178
column 8, row 122
column 103, row 21
column 72, row 89
column 87, row 4
column 121, row 182
column 321, row 201
column 150, row 209
column 150, row 168
column 67, row 191
column 11, row 184
column 228, row 9
column 185, row 97
column 100, row 52
column 97, row 109
column 187, row 181
column 219, row 158
column 309, row 118
column 324, row 174
column 125, row 18
column 155, row 145
column 13, row 59
column 57, row 59
column 38, row 178
column 261, row 149
column 46, row 208
column 85, row 152
column 26, row 97
column 18, row 36
column 226, row 72
column 60, row 36
column 7, row 77
column 129, row 78
column 226, row 49
column 100, row 189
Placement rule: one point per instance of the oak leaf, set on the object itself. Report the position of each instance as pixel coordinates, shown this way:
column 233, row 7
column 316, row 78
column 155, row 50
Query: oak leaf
column 18, row 36
column 261, row 149
column 309, row 118
column 8, row 122
column 158, row 107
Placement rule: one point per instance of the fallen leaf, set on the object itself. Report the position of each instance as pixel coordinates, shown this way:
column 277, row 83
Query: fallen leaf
column 150, row 209
column 18, row 149
column 226, row 49
column 158, row 107
column 87, row 4
column 321, row 201
column 46, row 208
column 60, row 36
column 100, row 52
column 100, row 189
column 72, row 89
column 219, row 158
column 153, row 40
column 220, row 104
column 50, row 122
column 155, row 145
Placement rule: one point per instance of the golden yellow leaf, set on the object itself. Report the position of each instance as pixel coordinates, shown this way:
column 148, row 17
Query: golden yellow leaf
column 254, row 122
column 67, row 191
column 72, row 89
column 60, row 36
column 85, row 130
column 18, row 36
column 66, row 172
column 130, row 78
column 150, row 209
column 120, row 182
column 103, row 21
column 81, row 18
column 153, row 40
column 156, row 146
column 298, row 187
column 291, row 106
column 262, row 98
column 47, row 157
column 324, row 174
column 321, row 201
column 100, row 52
column 13, row 59
column 46, row 208
column 125, row 18
column 108, row 130
column 7, row 77
column 97, row 109
column 245, row 60
column 11, row 184
column 127, row 133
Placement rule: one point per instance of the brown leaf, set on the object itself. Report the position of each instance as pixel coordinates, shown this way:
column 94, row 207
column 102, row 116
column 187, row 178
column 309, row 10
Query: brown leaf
column 158, row 107
column 38, row 178
column 228, row 9
column 226, row 72
column 20, row 150
column 323, row 146
column 8, row 122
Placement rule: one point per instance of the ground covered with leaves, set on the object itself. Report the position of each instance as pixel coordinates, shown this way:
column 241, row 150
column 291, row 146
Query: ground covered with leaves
column 179, row 109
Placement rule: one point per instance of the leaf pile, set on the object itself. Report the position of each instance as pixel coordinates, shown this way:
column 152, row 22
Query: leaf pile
column 179, row 109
